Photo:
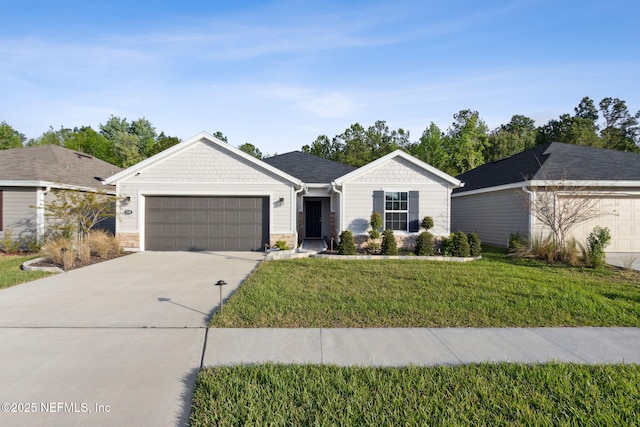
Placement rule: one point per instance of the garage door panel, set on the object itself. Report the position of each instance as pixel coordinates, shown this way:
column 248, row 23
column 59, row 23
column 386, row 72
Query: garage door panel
column 621, row 215
column 206, row 223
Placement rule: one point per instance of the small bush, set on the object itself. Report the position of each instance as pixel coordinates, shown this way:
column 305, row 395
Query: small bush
column 346, row 246
column 31, row 245
column 597, row 241
column 389, row 245
column 8, row 243
column 459, row 245
column 282, row 245
column 515, row 242
column 424, row 244
column 427, row 223
column 475, row 246
column 446, row 246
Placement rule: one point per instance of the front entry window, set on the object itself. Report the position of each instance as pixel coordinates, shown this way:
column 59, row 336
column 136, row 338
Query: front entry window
column 396, row 209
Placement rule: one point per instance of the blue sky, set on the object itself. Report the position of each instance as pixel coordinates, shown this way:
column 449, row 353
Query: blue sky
column 279, row 73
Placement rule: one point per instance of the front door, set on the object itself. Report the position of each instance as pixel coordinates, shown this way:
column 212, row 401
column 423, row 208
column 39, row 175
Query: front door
column 313, row 219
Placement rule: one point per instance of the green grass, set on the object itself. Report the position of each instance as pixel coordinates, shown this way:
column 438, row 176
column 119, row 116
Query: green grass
column 497, row 291
column 473, row 395
column 10, row 273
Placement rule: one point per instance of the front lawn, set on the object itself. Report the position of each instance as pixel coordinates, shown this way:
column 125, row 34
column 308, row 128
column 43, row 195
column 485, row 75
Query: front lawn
column 10, row 273
column 472, row 395
column 497, row 291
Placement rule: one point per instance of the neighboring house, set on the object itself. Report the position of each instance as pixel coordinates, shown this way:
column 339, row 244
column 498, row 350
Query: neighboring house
column 27, row 177
column 495, row 199
column 203, row 194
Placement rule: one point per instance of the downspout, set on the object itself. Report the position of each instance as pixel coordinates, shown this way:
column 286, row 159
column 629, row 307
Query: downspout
column 334, row 188
column 531, row 196
column 294, row 216
column 40, row 213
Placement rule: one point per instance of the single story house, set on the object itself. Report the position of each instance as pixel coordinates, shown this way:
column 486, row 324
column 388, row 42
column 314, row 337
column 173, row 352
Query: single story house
column 204, row 194
column 498, row 197
column 27, row 176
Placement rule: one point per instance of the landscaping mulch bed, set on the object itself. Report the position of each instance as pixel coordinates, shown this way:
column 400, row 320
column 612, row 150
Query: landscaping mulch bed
column 77, row 264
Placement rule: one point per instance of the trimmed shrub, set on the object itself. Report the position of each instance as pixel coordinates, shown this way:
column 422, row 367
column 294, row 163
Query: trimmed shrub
column 346, row 246
column 598, row 239
column 376, row 224
column 446, row 246
column 389, row 245
column 427, row 223
column 474, row 244
column 459, row 245
column 424, row 244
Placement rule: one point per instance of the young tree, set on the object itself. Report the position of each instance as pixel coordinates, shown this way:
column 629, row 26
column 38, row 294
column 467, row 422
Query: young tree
column 78, row 212
column 561, row 205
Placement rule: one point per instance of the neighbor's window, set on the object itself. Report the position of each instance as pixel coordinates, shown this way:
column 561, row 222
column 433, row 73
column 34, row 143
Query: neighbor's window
column 396, row 208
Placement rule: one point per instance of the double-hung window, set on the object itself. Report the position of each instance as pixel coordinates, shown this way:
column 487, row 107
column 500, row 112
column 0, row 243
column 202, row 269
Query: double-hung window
column 396, row 209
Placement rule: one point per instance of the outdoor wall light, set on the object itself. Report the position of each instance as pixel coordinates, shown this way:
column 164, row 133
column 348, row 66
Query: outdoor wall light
column 221, row 283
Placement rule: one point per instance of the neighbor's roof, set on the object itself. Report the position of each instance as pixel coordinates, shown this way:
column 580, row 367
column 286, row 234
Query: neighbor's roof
column 53, row 164
column 554, row 161
column 309, row 168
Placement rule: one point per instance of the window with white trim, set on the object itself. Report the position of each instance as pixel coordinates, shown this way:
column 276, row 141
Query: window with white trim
column 396, row 210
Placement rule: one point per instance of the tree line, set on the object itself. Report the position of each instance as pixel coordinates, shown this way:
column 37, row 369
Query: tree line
column 466, row 144
column 469, row 143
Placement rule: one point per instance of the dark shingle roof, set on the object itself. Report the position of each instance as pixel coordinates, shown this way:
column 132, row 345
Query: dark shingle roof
column 554, row 161
column 309, row 168
column 54, row 164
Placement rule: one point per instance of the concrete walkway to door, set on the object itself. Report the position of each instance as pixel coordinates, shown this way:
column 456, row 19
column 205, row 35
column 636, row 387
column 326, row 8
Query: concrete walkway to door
column 116, row 343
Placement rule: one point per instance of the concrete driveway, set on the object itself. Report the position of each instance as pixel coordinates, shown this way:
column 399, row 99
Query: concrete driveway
column 116, row 343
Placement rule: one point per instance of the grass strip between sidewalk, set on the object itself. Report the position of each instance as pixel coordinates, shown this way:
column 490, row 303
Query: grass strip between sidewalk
column 485, row 394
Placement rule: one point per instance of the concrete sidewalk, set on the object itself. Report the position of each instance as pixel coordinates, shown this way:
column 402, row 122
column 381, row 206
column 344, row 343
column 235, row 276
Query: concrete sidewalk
column 422, row 346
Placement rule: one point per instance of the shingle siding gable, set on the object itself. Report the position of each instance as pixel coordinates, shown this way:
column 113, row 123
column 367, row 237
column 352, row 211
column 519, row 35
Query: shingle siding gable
column 204, row 162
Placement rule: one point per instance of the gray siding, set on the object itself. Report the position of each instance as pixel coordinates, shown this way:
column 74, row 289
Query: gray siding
column 493, row 215
column 18, row 211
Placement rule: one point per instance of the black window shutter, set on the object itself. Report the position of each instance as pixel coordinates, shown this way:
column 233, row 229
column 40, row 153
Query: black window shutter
column 378, row 202
column 414, row 220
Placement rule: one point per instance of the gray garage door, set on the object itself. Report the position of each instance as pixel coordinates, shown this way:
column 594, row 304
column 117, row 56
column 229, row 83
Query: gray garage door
column 178, row 223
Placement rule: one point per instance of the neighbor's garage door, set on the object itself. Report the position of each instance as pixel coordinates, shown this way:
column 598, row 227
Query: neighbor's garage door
column 622, row 215
column 180, row 223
